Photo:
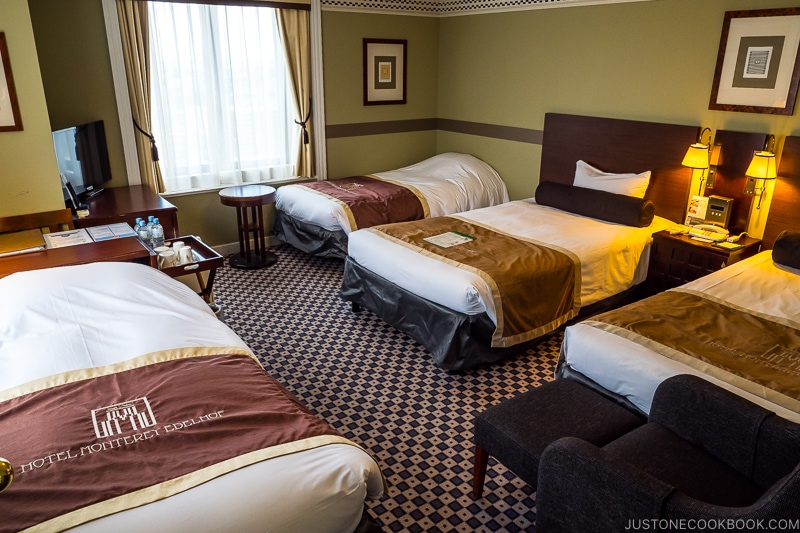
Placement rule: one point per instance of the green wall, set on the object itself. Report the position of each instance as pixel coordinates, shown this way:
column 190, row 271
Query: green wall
column 29, row 181
column 650, row 60
column 342, row 43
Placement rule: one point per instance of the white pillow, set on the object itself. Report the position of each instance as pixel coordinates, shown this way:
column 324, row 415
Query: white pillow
column 628, row 184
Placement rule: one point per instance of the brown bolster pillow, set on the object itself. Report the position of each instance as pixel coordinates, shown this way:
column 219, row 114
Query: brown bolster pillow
column 786, row 250
column 617, row 208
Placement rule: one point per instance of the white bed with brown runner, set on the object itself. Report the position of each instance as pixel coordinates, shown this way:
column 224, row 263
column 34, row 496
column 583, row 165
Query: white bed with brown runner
column 317, row 217
column 453, row 303
column 737, row 327
column 127, row 402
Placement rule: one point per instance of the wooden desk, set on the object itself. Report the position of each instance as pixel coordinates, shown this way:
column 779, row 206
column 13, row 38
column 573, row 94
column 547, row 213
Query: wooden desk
column 129, row 249
column 125, row 204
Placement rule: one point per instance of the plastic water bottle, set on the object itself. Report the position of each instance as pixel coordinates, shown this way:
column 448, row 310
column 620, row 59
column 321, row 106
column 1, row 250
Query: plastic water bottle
column 144, row 232
column 150, row 223
column 157, row 234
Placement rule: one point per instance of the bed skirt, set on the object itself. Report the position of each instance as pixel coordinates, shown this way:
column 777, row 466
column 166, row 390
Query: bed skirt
column 457, row 341
column 310, row 238
column 564, row 371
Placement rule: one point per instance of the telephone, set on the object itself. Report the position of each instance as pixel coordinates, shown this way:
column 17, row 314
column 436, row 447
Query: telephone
column 708, row 232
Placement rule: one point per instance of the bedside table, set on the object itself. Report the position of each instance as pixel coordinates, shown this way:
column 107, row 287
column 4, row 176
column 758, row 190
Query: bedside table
column 678, row 259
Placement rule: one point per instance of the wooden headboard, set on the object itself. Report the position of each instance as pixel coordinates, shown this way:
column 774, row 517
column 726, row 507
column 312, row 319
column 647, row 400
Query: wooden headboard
column 735, row 150
column 620, row 146
column 784, row 210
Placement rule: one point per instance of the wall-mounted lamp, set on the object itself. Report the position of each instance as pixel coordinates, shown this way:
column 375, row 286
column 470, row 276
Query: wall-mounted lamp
column 698, row 156
column 762, row 168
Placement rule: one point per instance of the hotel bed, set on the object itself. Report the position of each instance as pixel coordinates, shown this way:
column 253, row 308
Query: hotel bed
column 631, row 350
column 455, row 311
column 316, row 219
column 63, row 327
column 748, row 314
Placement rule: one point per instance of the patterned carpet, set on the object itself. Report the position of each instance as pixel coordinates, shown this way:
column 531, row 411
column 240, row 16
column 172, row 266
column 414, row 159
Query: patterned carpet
column 379, row 388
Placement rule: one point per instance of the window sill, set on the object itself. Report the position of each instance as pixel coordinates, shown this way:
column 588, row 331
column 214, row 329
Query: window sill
column 271, row 183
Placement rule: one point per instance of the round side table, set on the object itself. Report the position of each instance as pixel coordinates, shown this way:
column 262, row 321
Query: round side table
column 253, row 196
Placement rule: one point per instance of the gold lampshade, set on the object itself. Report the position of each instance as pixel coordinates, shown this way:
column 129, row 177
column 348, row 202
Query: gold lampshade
column 762, row 166
column 696, row 156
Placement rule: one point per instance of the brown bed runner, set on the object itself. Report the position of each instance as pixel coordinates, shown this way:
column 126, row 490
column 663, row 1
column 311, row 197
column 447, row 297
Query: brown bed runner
column 111, row 438
column 753, row 352
column 535, row 287
column 369, row 201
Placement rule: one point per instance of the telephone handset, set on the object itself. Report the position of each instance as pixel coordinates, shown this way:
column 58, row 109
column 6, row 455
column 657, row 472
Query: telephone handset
column 708, row 232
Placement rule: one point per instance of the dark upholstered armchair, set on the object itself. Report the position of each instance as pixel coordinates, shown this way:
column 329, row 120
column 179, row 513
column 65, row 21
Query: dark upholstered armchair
column 705, row 454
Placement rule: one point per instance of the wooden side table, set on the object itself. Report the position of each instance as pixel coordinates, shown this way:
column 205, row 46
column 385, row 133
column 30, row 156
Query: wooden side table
column 255, row 197
column 678, row 259
column 204, row 259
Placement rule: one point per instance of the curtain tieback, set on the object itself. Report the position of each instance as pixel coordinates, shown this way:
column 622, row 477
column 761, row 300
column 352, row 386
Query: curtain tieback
column 153, row 148
column 302, row 124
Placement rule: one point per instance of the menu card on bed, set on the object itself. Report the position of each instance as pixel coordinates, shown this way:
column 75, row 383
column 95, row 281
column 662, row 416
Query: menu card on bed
column 451, row 238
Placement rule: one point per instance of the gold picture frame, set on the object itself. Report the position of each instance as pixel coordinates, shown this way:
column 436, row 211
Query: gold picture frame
column 384, row 71
column 758, row 65
column 10, row 119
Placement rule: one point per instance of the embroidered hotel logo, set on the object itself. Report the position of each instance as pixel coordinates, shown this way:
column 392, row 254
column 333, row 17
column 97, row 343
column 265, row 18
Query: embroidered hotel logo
column 133, row 415
column 347, row 187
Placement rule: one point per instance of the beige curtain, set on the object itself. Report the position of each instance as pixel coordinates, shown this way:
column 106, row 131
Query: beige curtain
column 133, row 25
column 294, row 28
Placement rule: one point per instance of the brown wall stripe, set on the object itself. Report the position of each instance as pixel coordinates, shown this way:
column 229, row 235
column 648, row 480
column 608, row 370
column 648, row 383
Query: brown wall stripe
column 333, row 131
column 509, row 133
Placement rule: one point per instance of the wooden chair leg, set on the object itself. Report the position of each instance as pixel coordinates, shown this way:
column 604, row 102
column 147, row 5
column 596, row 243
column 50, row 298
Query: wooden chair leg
column 479, row 474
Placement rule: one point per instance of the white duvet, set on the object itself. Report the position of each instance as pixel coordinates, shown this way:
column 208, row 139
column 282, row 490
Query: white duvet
column 624, row 367
column 613, row 257
column 450, row 183
column 61, row 319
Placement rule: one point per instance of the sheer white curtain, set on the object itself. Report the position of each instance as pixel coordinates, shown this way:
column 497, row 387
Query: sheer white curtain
column 222, row 109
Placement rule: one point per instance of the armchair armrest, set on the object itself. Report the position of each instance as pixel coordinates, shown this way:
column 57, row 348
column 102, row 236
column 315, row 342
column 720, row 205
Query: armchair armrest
column 582, row 489
column 780, row 501
column 720, row 422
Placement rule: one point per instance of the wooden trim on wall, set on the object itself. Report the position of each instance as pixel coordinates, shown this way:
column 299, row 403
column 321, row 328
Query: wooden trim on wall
column 333, row 131
column 493, row 131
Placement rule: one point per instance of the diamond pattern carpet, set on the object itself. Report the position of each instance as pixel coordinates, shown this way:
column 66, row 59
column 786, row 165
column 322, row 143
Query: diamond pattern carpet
column 379, row 388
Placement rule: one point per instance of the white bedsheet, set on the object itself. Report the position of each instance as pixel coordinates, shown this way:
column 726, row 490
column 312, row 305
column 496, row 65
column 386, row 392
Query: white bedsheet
column 450, row 182
column 613, row 257
column 62, row 319
column 626, row 368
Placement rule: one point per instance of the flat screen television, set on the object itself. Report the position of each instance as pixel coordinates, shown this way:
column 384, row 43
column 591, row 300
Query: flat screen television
column 82, row 156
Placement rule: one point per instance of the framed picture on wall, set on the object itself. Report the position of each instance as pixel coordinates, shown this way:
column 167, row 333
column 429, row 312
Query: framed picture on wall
column 384, row 71
column 9, row 107
column 758, row 66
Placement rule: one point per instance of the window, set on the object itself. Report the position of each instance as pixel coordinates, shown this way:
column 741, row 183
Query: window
column 222, row 110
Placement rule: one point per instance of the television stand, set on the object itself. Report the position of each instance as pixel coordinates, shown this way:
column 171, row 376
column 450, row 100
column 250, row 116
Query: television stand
column 126, row 204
